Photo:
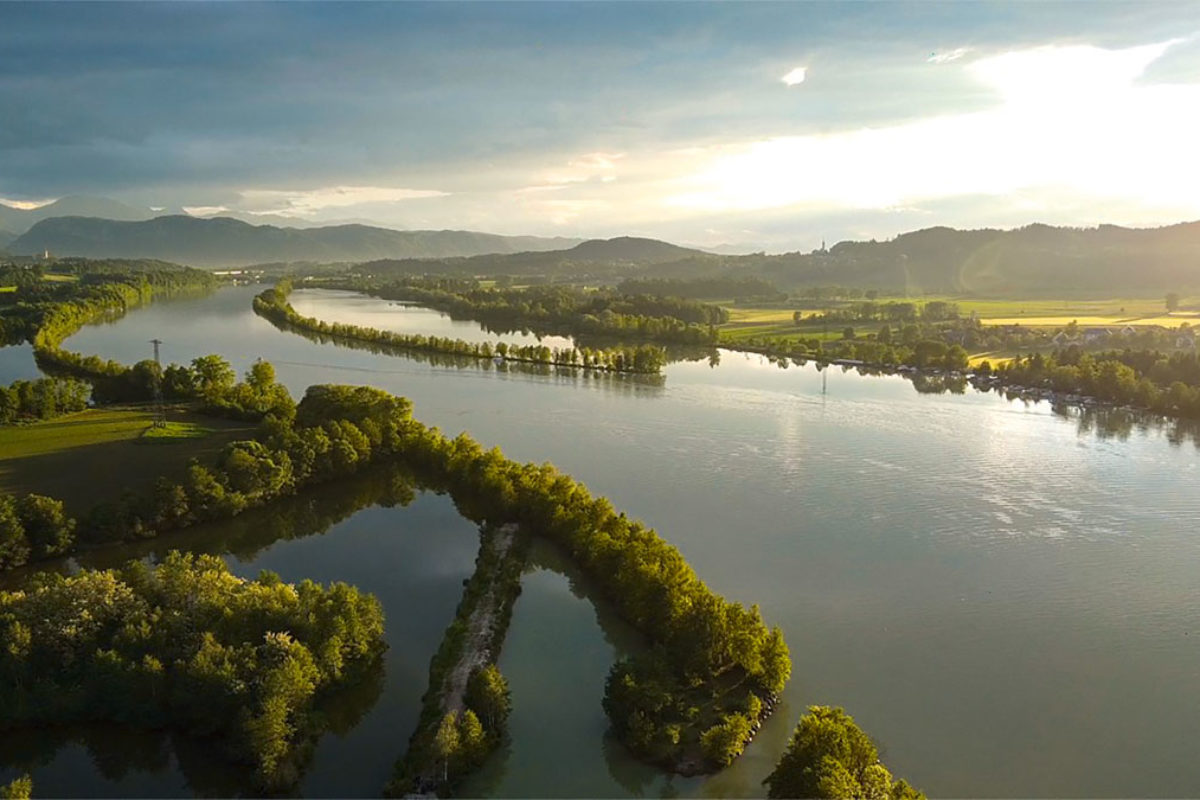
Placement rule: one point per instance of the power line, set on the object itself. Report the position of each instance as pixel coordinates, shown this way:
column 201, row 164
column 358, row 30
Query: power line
column 160, row 414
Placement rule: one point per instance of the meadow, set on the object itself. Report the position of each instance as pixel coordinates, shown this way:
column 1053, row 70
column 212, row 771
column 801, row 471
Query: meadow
column 97, row 454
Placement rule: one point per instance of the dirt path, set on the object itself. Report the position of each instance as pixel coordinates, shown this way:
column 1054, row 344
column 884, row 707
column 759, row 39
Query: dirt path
column 476, row 652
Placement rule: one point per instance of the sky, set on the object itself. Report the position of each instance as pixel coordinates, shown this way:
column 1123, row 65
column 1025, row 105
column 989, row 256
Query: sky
column 766, row 126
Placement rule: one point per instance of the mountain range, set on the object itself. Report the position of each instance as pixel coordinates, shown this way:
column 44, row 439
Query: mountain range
column 1037, row 259
column 600, row 259
column 1108, row 260
column 227, row 242
column 1029, row 261
column 18, row 220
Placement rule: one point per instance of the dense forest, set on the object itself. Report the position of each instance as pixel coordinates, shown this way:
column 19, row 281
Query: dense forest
column 272, row 304
column 185, row 645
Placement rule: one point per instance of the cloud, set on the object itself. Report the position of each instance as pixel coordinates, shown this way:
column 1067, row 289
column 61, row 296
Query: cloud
column 305, row 203
column 948, row 56
column 597, row 166
column 796, row 76
column 597, row 161
column 204, row 211
column 25, row 205
column 1070, row 119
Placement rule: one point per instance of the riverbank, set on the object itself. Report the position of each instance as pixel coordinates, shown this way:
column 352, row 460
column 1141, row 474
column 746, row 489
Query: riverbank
column 273, row 306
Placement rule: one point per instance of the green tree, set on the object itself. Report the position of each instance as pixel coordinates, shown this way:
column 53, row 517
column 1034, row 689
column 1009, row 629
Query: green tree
column 488, row 695
column 829, row 756
column 723, row 742
column 49, row 530
column 445, row 742
column 956, row 357
column 14, row 545
column 472, row 741
column 214, row 377
column 20, row 789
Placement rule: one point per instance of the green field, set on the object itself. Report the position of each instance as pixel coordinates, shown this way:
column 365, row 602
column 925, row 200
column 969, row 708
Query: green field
column 97, row 454
column 171, row 432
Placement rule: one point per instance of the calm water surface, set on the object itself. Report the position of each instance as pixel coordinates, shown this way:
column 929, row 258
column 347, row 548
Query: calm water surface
column 391, row 315
column 1006, row 601
column 16, row 364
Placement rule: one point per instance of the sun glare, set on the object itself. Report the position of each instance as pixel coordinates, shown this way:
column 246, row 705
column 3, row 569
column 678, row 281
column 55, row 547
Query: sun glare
column 796, row 76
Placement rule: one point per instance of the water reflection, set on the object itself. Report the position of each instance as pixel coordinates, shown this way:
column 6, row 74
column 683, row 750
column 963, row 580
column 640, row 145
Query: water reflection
column 109, row 759
column 1120, row 423
column 449, row 360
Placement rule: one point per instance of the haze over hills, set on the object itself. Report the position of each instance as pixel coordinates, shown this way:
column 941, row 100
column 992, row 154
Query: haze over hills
column 1036, row 259
column 19, row 220
column 225, row 242
column 601, row 258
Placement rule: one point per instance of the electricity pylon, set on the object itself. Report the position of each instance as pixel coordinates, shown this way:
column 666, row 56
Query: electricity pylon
column 160, row 414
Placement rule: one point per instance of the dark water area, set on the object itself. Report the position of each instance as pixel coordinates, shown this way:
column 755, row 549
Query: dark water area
column 16, row 364
column 380, row 532
column 1003, row 594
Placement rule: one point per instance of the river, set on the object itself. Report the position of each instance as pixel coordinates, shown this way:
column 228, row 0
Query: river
column 1002, row 596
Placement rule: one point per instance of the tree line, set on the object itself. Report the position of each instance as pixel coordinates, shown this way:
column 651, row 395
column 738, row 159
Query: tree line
column 565, row 310
column 892, row 311
column 185, row 645
column 1165, row 383
column 103, row 292
column 696, row 639
column 272, row 304
column 43, row 398
column 725, row 287
column 913, row 346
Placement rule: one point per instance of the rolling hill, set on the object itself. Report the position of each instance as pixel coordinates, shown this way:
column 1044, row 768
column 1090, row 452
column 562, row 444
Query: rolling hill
column 223, row 241
column 603, row 259
column 1033, row 260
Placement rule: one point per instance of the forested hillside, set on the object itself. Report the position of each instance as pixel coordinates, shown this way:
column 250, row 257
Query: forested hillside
column 1029, row 261
column 222, row 241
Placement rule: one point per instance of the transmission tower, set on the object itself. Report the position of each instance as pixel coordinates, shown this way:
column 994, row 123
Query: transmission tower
column 160, row 414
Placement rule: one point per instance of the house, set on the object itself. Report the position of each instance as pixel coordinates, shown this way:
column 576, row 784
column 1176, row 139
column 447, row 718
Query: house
column 1061, row 339
column 1185, row 341
column 1128, row 330
column 1093, row 335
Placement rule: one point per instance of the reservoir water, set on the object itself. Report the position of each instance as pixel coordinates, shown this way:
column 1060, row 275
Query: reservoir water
column 1003, row 596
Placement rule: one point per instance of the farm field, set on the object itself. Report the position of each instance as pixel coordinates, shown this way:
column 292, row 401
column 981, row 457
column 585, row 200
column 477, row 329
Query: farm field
column 97, row 454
